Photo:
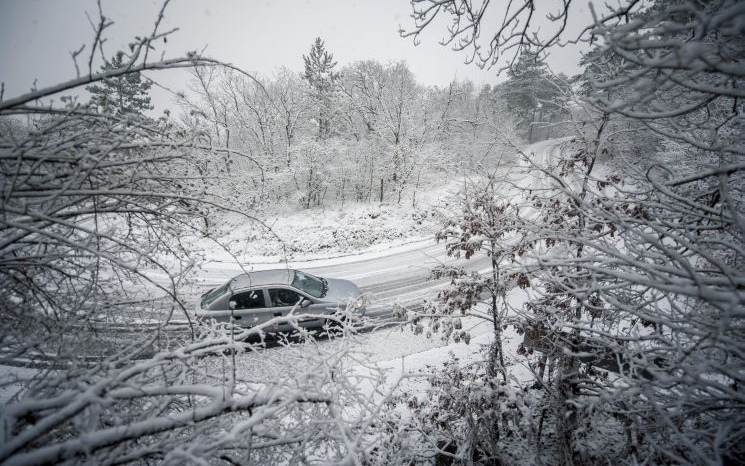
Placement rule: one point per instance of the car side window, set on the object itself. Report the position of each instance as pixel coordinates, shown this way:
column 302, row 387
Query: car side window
column 249, row 299
column 282, row 297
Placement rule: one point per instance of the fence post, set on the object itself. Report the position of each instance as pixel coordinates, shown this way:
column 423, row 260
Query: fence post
column 381, row 190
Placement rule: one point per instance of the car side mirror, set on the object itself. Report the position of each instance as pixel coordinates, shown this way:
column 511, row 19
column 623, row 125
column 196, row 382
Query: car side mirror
column 232, row 305
column 305, row 303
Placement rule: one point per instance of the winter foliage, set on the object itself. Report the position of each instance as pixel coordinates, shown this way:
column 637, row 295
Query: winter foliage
column 630, row 250
column 607, row 207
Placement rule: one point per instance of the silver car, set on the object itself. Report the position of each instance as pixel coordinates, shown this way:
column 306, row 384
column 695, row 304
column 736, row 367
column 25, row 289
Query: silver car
column 255, row 298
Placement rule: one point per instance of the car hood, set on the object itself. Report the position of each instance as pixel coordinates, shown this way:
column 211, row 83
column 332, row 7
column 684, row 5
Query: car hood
column 341, row 291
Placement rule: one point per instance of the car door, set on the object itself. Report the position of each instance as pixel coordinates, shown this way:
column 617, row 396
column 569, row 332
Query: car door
column 285, row 300
column 246, row 308
column 249, row 307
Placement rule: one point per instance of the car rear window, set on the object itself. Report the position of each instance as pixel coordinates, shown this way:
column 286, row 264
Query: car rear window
column 214, row 294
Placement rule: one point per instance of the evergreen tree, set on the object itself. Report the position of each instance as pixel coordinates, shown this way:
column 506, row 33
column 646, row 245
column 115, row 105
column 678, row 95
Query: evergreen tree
column 121, row 95
column 532, row 93
column 319, row 72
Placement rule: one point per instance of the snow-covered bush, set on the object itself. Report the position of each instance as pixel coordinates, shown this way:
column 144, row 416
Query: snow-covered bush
column 634, row 253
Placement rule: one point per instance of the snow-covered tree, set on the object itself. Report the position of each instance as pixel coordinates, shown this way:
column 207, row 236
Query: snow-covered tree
column 385, row 103
column 98, row 218
column 320, row 75
column 491, row 226
column 532, row 94
column 122, row 94
column 637, row 253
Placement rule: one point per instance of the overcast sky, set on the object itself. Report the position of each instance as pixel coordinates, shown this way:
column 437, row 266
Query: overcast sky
column 37, row 36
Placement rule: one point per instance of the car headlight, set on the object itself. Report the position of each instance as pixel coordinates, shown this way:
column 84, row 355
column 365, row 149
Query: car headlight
column 359, row 303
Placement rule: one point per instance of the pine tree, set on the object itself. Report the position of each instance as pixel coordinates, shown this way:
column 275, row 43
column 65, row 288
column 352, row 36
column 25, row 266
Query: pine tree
column 319, row 72
column 121, row 95
column 532, row 93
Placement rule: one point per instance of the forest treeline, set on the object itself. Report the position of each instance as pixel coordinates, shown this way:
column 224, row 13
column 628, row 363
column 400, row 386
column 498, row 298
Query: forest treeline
column 337, row 134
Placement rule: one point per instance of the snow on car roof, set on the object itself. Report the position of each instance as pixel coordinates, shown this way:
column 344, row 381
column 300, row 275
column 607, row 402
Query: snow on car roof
column 262, row 278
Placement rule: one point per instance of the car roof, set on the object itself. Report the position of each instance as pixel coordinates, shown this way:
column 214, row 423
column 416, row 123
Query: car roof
column 262, row 278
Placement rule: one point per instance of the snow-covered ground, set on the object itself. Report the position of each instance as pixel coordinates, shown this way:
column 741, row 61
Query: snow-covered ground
column 330, row 233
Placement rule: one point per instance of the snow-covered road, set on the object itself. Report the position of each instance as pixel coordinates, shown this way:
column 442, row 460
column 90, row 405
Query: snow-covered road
column 396, row 277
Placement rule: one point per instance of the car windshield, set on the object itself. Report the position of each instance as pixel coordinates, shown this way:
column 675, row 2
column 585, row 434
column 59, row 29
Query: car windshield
column 314, row 286
column 210, row 296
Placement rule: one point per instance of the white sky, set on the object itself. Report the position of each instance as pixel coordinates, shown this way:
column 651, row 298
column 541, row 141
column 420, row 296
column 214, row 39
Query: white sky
column 37, row 36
